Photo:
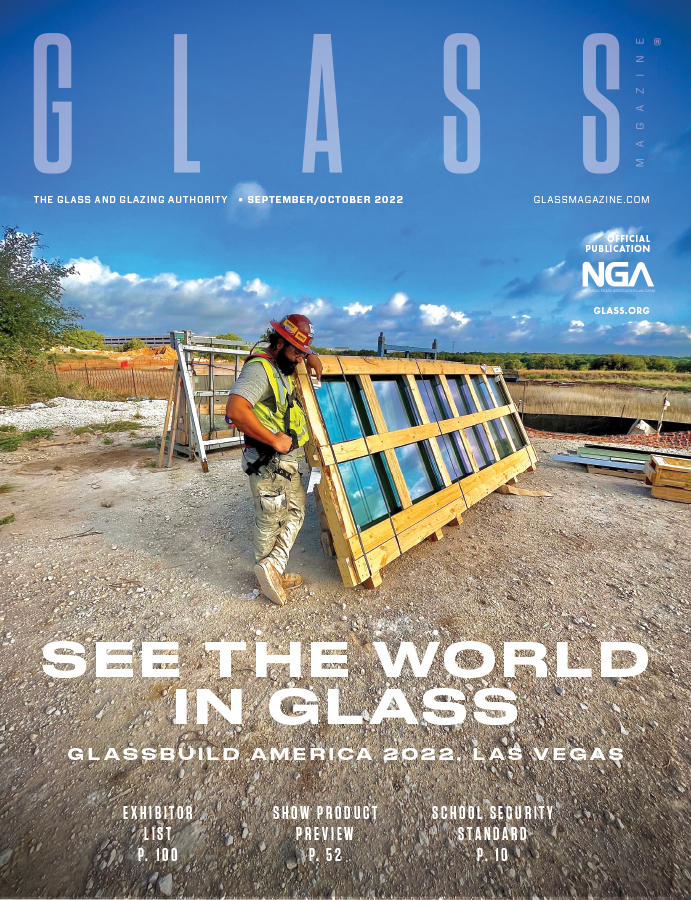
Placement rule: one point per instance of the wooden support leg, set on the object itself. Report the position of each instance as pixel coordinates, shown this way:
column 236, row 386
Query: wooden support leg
column 327, row 544
column 513, row 480
column 437, row 535
column 373, row 582
column 454, row 523
column 324, row 532
column 175, row 413
column 167, row 418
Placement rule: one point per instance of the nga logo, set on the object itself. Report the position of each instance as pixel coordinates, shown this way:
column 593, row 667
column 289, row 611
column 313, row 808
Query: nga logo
column 615, row 274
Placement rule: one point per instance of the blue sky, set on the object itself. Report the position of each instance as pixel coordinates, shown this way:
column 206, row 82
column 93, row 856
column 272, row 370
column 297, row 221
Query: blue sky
column 467, row 258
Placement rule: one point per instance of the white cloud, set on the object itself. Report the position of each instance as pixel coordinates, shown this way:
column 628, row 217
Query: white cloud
column 356, row 309
column 460, row 318
column 313, row 309
column 93, row 271
column 256, row 286
column 115, row 303
column 241, row 211
column 634, row 331
column 433, row 315
column 397, row 303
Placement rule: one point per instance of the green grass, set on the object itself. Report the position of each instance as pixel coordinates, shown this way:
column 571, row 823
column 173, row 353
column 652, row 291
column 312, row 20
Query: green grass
column 21, row 388
column 675, row 381
column 107, row 440
column 6, row 488
column 8, row 427
column 107, row 427
column 151, row 464
column 10, row 442
column 589, row 398
column 145, row 445
column 37, row 433
column 7, row 519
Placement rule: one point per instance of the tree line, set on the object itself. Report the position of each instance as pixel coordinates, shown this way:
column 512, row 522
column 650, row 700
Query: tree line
column 610, row 362
column 576, row 362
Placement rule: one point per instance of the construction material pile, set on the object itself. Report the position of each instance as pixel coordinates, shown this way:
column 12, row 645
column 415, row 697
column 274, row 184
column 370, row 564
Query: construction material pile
column 669, row 478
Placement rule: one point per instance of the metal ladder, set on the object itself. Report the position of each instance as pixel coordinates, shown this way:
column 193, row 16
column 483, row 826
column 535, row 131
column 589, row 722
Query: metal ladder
column 188, row 345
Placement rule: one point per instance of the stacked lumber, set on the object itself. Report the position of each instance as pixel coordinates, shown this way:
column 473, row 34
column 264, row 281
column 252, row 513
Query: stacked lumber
column 637, row 452
column 669, row 478
column 621, row 463
column 604, row 457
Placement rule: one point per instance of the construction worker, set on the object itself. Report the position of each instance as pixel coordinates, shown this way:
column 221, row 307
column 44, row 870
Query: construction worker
column 263, row 405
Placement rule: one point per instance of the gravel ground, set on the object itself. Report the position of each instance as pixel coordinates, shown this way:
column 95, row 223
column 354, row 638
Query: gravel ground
column 105, row 549
column 64, row 412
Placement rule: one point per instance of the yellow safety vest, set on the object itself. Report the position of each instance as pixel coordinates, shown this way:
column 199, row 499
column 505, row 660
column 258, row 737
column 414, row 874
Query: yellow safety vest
column 288, row 415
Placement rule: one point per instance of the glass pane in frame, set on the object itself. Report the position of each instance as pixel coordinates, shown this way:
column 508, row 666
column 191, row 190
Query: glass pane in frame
column 344, row 409
column 484, row 443
column 370, row 489
column 480, row 446
column 501, row 440
column 483, row 394
column 433, row 396
column 395, row 403
column 514, row 431
column 420, row 473
column 462, row 396
column 455, row 457
column 498, row 392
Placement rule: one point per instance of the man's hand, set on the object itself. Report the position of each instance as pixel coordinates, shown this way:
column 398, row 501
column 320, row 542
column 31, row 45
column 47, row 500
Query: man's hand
column 314, row 364
column 282, row 442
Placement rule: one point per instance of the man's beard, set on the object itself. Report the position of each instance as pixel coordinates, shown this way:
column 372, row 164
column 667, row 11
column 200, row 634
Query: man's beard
column 284, row 363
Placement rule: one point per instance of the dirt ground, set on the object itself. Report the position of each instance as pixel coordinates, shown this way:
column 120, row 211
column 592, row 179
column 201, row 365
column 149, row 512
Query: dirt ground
column 105, row 549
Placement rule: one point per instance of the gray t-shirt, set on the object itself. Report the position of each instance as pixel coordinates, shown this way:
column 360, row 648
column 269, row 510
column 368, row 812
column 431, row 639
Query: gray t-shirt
column 253, row 384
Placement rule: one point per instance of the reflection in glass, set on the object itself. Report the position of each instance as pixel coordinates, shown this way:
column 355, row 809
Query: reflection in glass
column 483, row 395
column 512, row 428
column 462, row 396
column 434, row 399
column 479, row 445
column 501, row 440
column 419, row 471
column 484, row 443
column 344, row 410
column 395, row 403
column 368, row 484
column 455, row 457
column 498, row 390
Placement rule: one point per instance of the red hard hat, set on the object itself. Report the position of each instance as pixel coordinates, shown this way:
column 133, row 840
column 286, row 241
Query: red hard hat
column 297, row 329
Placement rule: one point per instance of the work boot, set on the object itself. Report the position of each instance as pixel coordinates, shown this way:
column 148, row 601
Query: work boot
column 270, row 582
column 290, row 580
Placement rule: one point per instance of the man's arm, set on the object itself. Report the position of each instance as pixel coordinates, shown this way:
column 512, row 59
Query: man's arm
column 314, row 364
column 240, row 412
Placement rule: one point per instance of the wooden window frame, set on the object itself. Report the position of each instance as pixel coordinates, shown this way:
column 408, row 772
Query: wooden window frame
column 362, row 553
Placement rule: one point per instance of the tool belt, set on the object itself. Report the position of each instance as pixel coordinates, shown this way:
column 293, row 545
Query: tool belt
column 267, row 457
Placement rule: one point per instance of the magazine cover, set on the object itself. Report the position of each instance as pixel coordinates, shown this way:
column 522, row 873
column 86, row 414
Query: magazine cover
column 345, row 449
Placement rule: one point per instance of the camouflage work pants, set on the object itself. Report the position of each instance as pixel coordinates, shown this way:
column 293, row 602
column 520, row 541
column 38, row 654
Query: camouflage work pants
column 279, row 511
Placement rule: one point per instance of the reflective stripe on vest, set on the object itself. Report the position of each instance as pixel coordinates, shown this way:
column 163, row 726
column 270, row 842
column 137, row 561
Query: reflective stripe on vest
column 275, row 421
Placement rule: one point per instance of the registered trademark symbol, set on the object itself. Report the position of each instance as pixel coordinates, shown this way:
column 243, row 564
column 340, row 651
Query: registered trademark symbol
column 657, row 42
